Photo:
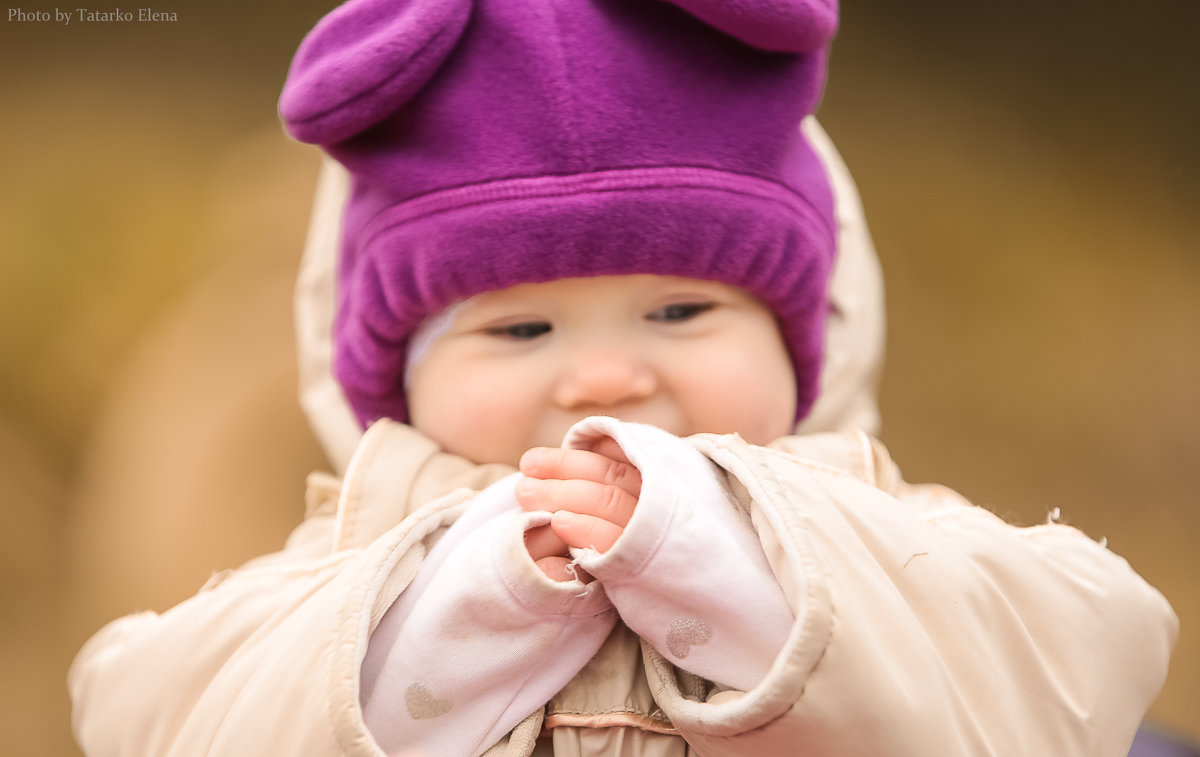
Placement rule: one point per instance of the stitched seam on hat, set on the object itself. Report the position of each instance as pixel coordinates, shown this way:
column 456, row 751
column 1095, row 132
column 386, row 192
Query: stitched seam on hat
column 571, row 116
column 632, row 179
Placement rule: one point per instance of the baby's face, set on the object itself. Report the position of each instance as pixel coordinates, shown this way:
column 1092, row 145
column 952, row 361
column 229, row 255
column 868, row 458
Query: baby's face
column 518, row 366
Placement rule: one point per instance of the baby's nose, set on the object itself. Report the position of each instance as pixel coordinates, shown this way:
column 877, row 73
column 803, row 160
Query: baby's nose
column 605, row 379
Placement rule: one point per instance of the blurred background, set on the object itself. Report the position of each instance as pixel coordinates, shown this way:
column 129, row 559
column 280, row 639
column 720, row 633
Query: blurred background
column 1031, row 173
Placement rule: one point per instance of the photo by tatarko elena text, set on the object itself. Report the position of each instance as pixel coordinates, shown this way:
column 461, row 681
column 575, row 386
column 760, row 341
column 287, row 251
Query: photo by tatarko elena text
column 88, row 15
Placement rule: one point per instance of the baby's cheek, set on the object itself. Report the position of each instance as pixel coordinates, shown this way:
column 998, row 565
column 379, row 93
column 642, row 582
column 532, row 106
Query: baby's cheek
column 463, row 414
column 755, row 398
column 507, row 421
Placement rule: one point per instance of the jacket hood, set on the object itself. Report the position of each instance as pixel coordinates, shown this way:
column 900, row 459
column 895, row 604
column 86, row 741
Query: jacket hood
column 854, row 328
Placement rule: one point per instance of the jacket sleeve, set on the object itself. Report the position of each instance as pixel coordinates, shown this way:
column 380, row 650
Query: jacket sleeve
column 263, row 660
column 266, row 659
column 923, row 625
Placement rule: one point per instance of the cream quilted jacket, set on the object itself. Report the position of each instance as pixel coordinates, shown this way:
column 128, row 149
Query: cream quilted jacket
column 924, row 625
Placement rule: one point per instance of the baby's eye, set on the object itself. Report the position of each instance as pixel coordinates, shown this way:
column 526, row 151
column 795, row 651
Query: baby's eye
column 680, row 311
column 520, row 331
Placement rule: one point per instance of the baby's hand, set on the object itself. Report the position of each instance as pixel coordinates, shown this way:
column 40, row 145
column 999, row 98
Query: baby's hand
column 591, row 493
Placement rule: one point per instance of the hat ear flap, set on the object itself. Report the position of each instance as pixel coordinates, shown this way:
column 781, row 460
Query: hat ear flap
column 792, row 26
column 363, row 61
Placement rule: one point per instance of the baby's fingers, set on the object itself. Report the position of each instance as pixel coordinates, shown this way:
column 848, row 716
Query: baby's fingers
column 585, row 497
column 584, row 531
column 607, row 465
column 541, row 541
column 555, row 567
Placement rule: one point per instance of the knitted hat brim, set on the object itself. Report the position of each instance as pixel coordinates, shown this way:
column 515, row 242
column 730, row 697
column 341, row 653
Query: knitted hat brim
column 421, row 256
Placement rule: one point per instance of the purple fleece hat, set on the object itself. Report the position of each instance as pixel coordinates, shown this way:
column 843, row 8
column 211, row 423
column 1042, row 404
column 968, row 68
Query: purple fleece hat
column 499, row 142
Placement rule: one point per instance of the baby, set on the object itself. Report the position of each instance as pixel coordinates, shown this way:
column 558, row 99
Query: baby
column 583, row 306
